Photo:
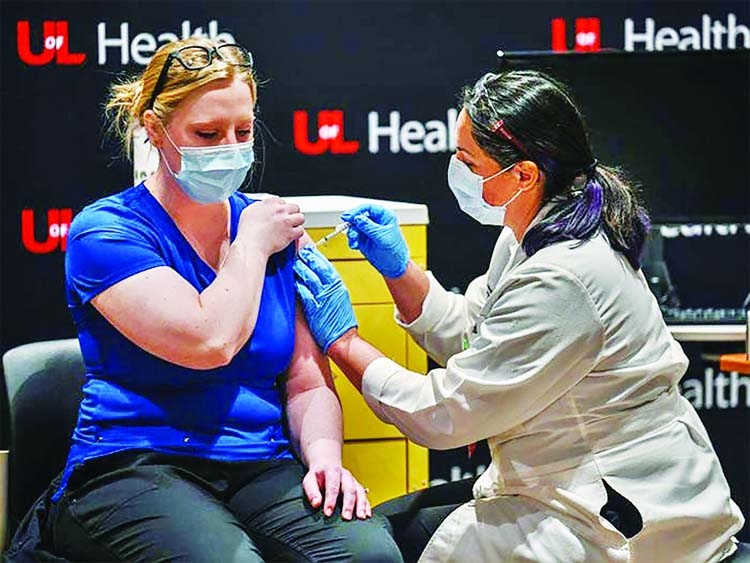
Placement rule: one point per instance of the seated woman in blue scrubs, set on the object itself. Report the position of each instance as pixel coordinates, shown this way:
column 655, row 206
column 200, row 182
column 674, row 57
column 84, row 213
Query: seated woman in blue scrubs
column 209, row 429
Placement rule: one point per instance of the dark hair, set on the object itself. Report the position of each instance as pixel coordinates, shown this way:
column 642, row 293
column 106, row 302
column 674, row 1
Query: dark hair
column 527, row 115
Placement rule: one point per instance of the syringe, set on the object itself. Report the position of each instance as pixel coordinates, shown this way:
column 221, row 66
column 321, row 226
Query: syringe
column 340, row 228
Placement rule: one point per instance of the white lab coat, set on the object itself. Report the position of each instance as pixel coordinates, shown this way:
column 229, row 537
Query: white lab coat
column 571, row 375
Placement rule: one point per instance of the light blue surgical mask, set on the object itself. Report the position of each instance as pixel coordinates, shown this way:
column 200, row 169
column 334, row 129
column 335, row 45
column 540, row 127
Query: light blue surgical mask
column 212, row 174
column 468, row 188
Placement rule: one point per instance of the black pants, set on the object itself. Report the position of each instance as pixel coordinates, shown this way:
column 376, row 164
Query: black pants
column 416, row 516
column 152, row 507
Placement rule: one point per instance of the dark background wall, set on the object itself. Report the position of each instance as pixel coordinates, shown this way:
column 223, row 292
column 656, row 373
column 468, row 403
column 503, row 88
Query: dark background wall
column 363, row 59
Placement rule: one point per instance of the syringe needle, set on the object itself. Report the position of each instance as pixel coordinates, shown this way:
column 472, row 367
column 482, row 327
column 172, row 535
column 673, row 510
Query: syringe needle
column 340, row 228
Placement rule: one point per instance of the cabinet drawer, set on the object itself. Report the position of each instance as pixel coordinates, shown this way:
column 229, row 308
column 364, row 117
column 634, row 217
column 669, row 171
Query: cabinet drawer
column 376, row 325
column 364, row 283
column 416, row 358
column 418, row 467
column 379, row 328
column 379, row 465
column 359, row 421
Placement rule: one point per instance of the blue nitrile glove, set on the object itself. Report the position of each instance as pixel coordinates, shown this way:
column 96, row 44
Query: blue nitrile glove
column 374, row 231
column 324, row 297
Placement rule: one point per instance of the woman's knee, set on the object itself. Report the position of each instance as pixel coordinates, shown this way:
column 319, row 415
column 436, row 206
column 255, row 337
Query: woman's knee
column 370, row 540
column 333, row 539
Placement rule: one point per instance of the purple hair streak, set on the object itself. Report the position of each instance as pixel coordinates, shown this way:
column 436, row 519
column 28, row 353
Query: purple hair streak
column 581, row 217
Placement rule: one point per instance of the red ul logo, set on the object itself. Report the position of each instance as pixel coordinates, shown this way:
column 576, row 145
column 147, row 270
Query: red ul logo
column 588, row 35
column 56, row 45
column 330, row 133
column 58, row 223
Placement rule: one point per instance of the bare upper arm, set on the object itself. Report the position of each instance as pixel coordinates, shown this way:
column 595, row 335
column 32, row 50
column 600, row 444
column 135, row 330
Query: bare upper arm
column 159, row 311
column 304, row 240
column 309, row 367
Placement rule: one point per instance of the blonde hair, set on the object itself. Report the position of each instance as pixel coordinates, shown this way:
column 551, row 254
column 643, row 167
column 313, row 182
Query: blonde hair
column 128, row 99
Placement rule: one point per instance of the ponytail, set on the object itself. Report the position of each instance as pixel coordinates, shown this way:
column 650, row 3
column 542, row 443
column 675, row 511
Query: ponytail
column 122, row 111
column 605, row 203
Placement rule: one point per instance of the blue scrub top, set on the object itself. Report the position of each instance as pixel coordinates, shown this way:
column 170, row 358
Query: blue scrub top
column 134, row 400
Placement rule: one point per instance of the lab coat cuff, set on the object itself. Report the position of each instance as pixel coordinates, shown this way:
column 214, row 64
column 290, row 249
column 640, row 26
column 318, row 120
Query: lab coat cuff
column 436, row 302
column 374, row 380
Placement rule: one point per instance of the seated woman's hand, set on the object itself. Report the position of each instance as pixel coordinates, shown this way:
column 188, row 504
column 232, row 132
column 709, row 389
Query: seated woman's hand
column 374, row 231
column 332, row 480
column 270, row 224
column 324, row 297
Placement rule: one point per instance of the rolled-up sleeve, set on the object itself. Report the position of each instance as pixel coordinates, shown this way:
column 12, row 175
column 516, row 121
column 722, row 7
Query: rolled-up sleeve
column 99, row 257
column 445, row 318
column 541, row 337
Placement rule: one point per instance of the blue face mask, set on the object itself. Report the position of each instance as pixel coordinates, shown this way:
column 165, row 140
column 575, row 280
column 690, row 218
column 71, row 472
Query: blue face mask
column 212, row 174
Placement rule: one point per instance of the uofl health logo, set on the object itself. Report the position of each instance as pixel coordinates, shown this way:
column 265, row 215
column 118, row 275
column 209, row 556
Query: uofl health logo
column 54, row 45
column 50, row 42
column 588, row 35
column 389, row 133
column 330, row 133
column 55, row 232
column 705, row 34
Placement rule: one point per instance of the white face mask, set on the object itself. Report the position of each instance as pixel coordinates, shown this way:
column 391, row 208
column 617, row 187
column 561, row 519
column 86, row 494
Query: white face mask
column 468, row 188
column 212, row 174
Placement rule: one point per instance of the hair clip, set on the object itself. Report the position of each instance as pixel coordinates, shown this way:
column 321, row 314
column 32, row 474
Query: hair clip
column 499, row 127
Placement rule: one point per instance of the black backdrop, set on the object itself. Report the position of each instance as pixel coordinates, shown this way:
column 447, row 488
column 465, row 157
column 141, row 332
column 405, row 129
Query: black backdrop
column 363, row 58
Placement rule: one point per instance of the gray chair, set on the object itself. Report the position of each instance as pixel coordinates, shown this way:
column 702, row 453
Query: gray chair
column 43, row 383
column 742, row 555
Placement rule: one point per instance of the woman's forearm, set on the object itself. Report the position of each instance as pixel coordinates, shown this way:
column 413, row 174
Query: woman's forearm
column 231, row 303
column 353, row 354
column 161, row 312
column 315, row 425
column 409, row 292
